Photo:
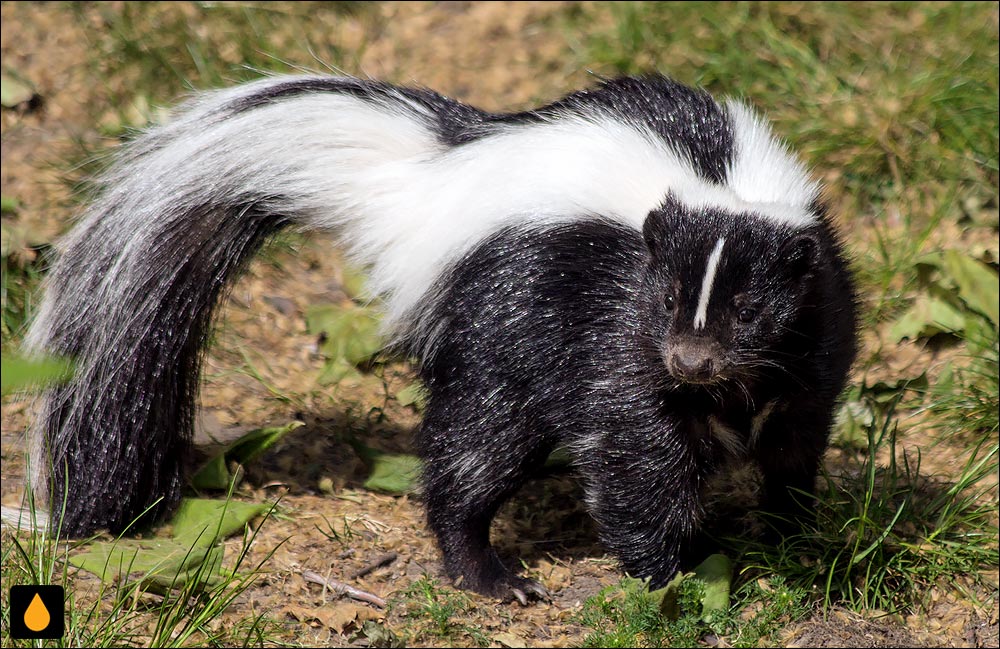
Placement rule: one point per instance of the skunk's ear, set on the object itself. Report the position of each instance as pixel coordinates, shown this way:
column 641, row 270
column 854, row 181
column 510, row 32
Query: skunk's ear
column 660, row 224
column 800, row 253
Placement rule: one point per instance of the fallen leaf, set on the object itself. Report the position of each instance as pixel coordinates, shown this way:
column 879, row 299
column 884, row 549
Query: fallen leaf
column 339, row 617
column 507, row 639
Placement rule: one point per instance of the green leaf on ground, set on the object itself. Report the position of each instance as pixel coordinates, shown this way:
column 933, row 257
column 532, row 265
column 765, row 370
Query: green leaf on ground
column 213, row 519
column 9, row 205
column 715, row 574
column 415, row 394
column 193, row 552
column 928, row 316
column 349, row 337
column 254, row 443
column 215, row 474
column 669, row 596
column 393, row 473
column 957, row 290
column 159, row 564
column 978, row 284
column 14, row 90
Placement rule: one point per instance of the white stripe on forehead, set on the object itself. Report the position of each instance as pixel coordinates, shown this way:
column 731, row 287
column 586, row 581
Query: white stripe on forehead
column 701, row 313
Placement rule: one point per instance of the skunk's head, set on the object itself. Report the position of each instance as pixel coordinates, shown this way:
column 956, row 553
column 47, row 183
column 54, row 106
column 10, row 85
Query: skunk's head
column 726, row 292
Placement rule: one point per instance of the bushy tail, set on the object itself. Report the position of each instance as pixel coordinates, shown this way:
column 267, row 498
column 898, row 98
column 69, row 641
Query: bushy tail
column 132, row 296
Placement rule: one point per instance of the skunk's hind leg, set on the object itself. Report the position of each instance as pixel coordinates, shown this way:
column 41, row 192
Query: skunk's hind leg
column 470, row 470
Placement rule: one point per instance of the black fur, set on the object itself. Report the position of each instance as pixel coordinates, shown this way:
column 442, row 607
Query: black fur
column 155, row 366
column 561, row 336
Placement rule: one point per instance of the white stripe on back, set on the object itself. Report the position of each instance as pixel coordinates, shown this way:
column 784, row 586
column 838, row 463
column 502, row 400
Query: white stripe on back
column 404, row 204
column 701, row 313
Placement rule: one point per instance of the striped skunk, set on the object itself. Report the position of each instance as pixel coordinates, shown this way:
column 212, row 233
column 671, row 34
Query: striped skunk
column 635, row 272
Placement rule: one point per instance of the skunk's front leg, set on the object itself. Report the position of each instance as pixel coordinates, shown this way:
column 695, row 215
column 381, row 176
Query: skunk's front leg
column 645, row 500
column 470, row 470
column 789, row 450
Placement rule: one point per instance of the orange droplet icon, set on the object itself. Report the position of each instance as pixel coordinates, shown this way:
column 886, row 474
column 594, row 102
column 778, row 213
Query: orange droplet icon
column 37, row 617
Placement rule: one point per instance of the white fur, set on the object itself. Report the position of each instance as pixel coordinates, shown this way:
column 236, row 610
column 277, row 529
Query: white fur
column 701, row 313
column 765, row 173
column 758, row 421
column 26, row 519
column 726, row 435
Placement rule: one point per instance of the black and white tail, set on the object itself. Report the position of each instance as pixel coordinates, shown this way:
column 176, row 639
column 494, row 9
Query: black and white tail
column 408, row 179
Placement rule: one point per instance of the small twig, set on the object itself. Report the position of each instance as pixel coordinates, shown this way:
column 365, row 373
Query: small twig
column 383, row 560
column 343, row 589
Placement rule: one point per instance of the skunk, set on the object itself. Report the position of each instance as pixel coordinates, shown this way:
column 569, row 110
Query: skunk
column 635, row 272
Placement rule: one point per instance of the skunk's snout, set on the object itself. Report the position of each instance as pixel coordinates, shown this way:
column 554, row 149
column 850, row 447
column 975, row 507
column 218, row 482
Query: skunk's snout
column 693, row 362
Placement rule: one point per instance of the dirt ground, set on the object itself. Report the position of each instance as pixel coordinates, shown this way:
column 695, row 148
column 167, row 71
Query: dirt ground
column 451, row 47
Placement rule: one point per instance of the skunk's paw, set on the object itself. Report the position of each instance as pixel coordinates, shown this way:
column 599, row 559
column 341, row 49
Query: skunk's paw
column 507, row 587
column 523, row 589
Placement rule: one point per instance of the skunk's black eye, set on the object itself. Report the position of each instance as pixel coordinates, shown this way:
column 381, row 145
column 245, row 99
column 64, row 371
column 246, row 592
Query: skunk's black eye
column 746, row 315
column 668, row 302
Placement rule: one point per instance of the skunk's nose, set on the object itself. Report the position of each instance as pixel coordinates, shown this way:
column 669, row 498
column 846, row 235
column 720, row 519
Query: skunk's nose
column 692, row 363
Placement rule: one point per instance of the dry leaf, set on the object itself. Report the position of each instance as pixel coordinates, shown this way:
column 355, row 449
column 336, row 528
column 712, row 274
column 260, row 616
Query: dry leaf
column 338, row 617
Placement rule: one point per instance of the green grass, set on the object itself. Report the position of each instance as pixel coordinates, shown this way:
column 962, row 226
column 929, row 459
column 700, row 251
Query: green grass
column 165, row 49
column 124, row 614
column 175, row 603
column 887, row 534
column 438, row 614
column 161, row 611
column 626, row 616
column 889, row 94
column 969, row 400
